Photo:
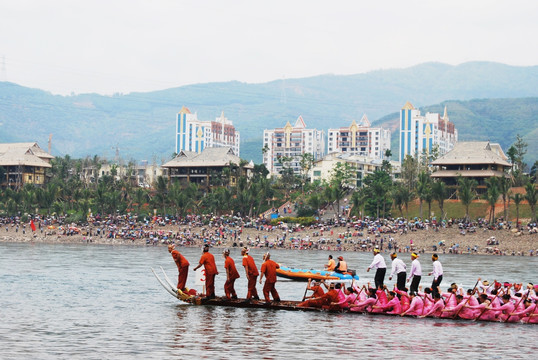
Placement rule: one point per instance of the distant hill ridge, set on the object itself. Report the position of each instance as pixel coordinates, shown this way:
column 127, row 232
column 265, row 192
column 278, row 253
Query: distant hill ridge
column 142, row 125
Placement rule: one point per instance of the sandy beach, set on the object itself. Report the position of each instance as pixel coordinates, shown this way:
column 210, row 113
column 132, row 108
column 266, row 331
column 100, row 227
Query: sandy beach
column 509, row 243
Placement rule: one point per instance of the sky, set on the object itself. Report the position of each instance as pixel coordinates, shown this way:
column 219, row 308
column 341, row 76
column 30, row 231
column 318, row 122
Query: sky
column 123, row 46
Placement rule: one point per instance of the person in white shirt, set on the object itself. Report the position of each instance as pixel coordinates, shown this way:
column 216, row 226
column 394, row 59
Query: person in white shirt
column 437, row 273
column 379, row 264
column 398, row 268
column 415, row 274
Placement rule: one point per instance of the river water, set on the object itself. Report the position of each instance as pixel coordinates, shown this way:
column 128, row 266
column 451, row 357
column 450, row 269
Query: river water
column 103, row 302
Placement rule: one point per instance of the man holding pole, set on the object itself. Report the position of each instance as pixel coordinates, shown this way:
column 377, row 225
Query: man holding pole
column 208, row 261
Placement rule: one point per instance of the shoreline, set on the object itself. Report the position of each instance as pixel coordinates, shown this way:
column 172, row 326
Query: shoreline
column 423, row 241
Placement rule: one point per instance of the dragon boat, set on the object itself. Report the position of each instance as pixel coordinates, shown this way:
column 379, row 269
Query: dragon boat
column 290, row 305
column 305, row 274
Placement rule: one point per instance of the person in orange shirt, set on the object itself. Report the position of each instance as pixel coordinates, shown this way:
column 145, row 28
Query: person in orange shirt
column 269, row 270
column 324, row 301
column 231, row 275
column 252, row 274
column 208, row 261
column 315, row 287
column 182, row 267
column 331, row 265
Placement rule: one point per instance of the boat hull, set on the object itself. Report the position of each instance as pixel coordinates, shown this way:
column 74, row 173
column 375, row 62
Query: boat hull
column 305, row 274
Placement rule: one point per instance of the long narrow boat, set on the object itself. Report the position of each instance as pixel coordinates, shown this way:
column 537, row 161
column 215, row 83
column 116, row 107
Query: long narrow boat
column 288, row 305
column 305, row 274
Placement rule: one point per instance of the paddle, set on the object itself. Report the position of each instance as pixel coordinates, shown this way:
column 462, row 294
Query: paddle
column 305, row 290
column 466, row 302
column 486, row 308
column 519, row 302
column 532, row 313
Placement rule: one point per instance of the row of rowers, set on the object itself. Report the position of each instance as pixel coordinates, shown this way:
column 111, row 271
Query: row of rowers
column 489, row 302
column 483, row 302
column 268, row 269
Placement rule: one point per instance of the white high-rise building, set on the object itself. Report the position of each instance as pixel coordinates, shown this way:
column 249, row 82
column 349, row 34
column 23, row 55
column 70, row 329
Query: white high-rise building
column 196, row 135
column 420, row 134
column 359, row 139
column 291, row 142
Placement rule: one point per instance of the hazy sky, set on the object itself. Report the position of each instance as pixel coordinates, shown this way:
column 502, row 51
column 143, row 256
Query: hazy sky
column 112, row 46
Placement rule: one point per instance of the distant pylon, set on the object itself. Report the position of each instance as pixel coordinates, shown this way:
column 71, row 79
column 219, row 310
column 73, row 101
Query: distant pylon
column 283, row 91
column 3, row 72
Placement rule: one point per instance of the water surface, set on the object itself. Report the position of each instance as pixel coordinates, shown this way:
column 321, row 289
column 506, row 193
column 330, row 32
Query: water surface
column 95, row 302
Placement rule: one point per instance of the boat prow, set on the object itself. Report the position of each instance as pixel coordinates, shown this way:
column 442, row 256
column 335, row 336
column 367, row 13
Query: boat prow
column 172, row 290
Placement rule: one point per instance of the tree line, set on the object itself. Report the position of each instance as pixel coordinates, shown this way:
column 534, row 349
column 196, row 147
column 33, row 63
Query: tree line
column 378, row 195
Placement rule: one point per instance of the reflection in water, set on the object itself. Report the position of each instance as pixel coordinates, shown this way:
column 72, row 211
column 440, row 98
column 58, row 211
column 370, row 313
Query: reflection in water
column 103, row 302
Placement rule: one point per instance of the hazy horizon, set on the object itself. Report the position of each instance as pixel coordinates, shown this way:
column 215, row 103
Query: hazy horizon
column 125, row 46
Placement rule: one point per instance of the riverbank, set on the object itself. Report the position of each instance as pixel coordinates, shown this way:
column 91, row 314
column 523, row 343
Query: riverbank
column 426, row 241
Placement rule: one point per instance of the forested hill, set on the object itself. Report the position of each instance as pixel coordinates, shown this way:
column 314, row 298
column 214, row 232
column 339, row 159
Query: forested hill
column 496, row 120
column 142, row 125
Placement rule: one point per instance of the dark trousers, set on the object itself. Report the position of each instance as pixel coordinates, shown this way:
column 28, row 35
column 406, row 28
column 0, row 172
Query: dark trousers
column 415, row 283
column 400, row 281
column 379, row 277
column 436, row 283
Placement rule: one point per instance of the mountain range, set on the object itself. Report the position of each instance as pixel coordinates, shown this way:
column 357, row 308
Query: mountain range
column 485, row 100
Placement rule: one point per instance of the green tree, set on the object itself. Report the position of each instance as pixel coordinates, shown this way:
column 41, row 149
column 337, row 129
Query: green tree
column 410, row 169
column 424, row 188
column 505, row 184
column 378, row 186
column 531, row 195
column 466, row 193
column 492, row 195
column 440, row 193
column 306, row 162
column 340, row 180
column 518, row 198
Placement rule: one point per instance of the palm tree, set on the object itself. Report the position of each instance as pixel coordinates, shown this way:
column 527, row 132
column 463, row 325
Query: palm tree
column 531, row 196
column 397, row 197
column 505, row 184
column 358, row 199
column 440, row 193
column 492, row 195
column 424, row 185
column 466, row 193
column 518, row 198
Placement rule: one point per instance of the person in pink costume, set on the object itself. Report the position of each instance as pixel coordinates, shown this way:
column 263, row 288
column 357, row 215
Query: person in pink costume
column 393, row 305
column 416, row 307
column 405, row 299
column 485, row 312
column 461, row 309
column 530, row 314
column 365, row 305
column 437, row 309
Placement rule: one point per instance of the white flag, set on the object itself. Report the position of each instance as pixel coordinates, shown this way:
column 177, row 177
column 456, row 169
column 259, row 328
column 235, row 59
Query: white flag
column 200, row 276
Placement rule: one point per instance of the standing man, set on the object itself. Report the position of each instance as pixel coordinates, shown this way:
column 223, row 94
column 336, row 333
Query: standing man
column 182, row 267
column 416, row 273
column 398, row 268
column 231, row 275
column 437, row 273
column 269, row 270
column 379, row 264
column 208, row 261
column 252, row 274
